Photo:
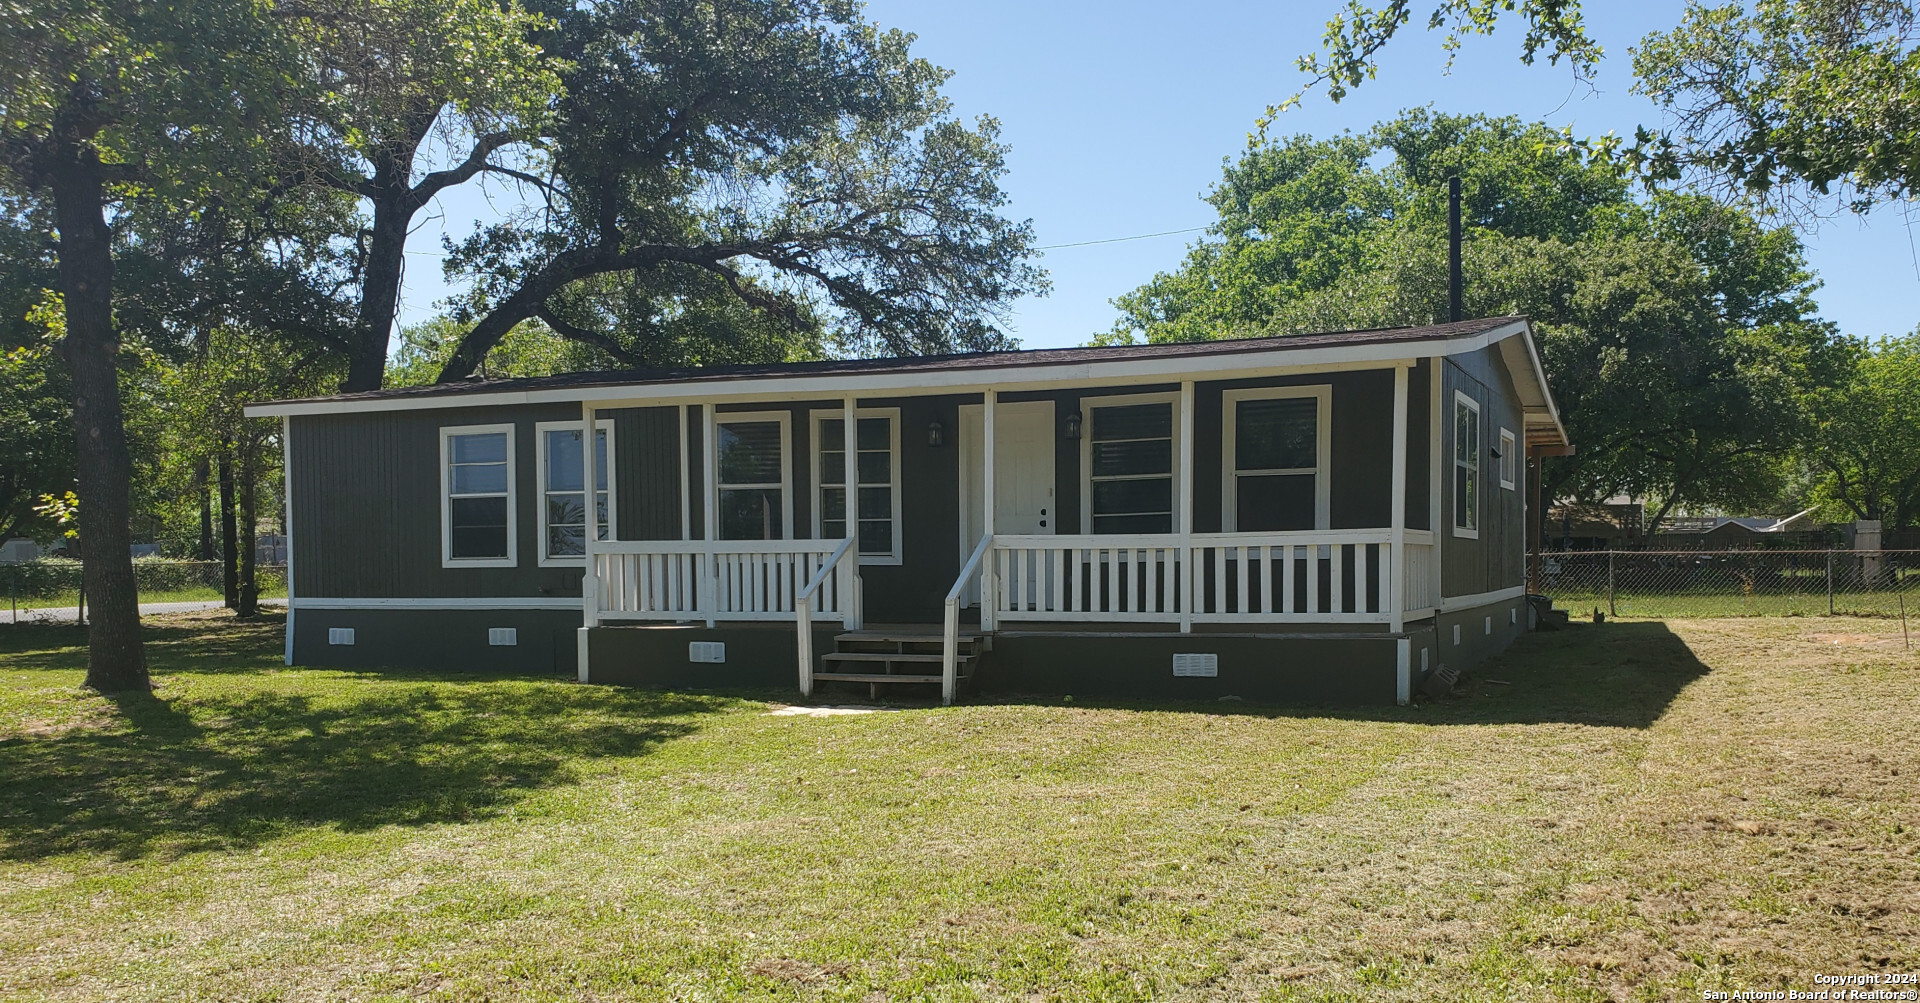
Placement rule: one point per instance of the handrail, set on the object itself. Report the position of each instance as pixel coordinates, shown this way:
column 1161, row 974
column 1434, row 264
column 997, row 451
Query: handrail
column 950, row 633
column 803, row 612
column 707, row 546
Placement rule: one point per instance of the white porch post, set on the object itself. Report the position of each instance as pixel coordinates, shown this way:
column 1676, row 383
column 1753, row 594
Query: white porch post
column 853, row 617
column 1189, row 567
column 589, row 470
column 1436, row 437
column 989, row 582
column 1396, row 564
column 709, row 526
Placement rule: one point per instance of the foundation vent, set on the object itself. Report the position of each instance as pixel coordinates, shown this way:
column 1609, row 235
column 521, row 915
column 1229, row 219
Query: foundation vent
column 707, row 651
column 503, row 637
column 1205, row 664
column 339, row 635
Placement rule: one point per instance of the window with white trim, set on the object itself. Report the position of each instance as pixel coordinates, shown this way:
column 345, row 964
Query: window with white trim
column 563, row 496
column 477, row 496
column 1277, row 446
column 877, row 476
column 1129, row 455
column 750, row 464
column 1509, row 460
column 1466, row 465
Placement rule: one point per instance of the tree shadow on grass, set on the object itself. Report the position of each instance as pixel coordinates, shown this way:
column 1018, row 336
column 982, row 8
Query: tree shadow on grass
column 224, row 766
column 1621, row 675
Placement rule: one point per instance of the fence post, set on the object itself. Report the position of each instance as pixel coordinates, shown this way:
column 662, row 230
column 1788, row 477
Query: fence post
column 1829, row 582
column 1611, row 611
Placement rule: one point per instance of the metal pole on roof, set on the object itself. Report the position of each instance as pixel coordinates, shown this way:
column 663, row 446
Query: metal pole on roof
column 1454, row 280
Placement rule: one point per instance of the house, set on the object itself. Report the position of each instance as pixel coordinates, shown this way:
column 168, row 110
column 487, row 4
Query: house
column 1318, row 518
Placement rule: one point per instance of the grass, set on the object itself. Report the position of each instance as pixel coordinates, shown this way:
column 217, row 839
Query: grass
column 66, row 600
column 1697, row 603
column 1636, row 810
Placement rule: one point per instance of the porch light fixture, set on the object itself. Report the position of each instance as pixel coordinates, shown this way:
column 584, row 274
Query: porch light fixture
column 1073, row 425
column 936, row 433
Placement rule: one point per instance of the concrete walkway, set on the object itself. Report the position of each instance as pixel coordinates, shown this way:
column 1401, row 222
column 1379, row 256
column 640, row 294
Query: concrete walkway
column 67, row 614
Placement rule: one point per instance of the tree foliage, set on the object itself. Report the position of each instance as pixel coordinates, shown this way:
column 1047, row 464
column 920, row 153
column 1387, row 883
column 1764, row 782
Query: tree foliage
column 1866, row 443
column 783, row 154
column 1677, row 333
column 1793, row 101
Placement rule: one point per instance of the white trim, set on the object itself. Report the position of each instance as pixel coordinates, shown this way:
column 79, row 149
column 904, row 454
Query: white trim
column 892, row 414
column 582, row 641
column 286, row 503
column 1509, row 462
column 686, row 479
column 483, row 602
column 1323, row 451
column 447, row 560
column 1403, row 670
column 1474, row 468
column 1277, row 360
column 785, row 420
column 1395, row 559
column 1436, row 448
column 1087, row 406
column 1184, row 504
column 540, row 430
column 1451, row 603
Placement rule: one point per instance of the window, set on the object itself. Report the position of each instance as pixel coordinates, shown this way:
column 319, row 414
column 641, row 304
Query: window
column 1509, row 460
column 1277, row 449
column 1128, row 454
column 751, row 464
column 1466, row 466
column 563, row 498
column 476, row 497
column 877, row 433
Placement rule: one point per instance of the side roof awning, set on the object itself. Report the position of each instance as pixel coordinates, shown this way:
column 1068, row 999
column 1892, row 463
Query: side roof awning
column 1544, row 430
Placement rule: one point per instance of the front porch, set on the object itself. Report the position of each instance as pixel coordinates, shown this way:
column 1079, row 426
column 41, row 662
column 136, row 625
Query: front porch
column 1025, row 577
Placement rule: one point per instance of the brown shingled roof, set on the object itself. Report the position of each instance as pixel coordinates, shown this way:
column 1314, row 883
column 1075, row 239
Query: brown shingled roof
column 931, row 363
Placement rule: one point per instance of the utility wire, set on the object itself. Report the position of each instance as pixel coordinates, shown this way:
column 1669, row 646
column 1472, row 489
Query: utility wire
column 1116, row 240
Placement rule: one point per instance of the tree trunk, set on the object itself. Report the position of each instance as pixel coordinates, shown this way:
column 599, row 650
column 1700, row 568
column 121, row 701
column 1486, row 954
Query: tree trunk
column 229, row 532
column 200, row 475
column 249, row 606
column 116, row 661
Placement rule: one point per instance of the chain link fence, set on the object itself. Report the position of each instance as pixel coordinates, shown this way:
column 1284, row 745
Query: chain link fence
column 1702, row 583
column 55, row 582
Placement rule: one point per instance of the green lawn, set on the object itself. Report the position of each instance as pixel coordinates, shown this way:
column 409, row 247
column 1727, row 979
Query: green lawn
column 1638, row 810
column 66, row 600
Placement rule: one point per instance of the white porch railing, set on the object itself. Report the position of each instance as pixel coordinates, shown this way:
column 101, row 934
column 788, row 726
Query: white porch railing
column 950, row 627
column 725, row 579
column 1327, row 576
column 1418, row 563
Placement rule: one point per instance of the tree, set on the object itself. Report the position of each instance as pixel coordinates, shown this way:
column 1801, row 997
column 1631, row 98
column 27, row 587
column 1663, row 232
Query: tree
column 780, row 153
column 1779, row 99
column 102, row 99
column 391, row 84
column 1866, row 442
column 1676, row 332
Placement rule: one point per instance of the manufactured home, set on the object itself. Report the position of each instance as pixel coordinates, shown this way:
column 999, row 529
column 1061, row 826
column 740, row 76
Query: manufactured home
column 1318, row 518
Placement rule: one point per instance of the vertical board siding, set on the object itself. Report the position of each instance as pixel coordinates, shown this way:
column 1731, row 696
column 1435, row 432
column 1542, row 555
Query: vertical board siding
column 646, row 440
column 1492, row 562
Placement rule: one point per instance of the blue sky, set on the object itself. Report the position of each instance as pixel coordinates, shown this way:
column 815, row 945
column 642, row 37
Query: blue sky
column 1119, row 115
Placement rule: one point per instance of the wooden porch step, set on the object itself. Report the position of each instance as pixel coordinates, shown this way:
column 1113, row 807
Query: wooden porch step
column 892, row 637
column 873, row 677
column 888, row 656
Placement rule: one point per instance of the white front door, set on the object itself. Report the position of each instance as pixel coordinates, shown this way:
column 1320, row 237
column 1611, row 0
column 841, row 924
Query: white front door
column 1023, row 493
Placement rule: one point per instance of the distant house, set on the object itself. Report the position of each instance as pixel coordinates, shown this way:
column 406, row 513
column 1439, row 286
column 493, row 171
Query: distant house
column 1724, row 531
column 1321, row 517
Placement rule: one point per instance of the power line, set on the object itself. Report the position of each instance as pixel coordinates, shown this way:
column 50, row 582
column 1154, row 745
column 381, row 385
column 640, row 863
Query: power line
column 1115, row 240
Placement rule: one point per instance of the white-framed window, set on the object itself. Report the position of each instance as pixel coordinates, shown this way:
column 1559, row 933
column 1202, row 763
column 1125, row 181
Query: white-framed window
column 877, row 476
column 1128, row 455
column 1277, row 447
column 477, row 497
column 563, row 496
column 1509, row 460
column 1466, row 466
column 753, row 480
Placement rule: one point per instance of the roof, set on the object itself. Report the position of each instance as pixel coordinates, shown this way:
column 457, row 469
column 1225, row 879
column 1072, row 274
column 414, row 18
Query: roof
column 978, row 370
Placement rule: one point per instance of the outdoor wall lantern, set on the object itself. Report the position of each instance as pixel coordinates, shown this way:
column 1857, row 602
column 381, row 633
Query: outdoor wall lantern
column 1073, row 425
column 936, row 433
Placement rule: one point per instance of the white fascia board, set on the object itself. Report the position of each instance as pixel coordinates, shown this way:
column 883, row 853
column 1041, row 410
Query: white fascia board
column 1120, row 372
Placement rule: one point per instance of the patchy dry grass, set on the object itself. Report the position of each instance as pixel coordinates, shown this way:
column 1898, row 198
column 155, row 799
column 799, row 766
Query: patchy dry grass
column 1646, row 811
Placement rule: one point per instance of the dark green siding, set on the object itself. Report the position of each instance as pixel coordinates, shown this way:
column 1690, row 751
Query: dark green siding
column 1494, row 560
column 648, row 469
column 447, row 640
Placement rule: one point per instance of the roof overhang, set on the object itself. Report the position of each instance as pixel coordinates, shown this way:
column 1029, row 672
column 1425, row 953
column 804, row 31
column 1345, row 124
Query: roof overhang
column 1012, row 375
